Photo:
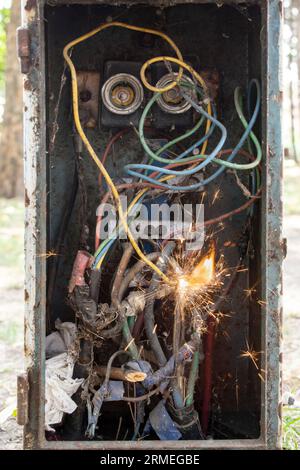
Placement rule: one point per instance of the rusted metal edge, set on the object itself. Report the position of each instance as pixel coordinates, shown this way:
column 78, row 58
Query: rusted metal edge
column 158, row 3
column 236, row 444
column 23, row 47
column 35, row 245
column 35, row 221
column 22, row 399
column 271, row 223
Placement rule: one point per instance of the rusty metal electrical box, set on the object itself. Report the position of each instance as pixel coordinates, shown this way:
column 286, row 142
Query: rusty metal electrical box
column 164, row 103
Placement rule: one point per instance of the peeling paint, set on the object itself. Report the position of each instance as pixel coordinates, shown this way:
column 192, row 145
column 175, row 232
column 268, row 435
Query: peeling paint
column 27, row 85
column 27, row 200
column 278, row 97
column 35, row 201
column 30, row 4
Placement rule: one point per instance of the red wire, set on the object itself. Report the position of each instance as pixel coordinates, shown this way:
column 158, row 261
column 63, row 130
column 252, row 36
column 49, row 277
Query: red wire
column 207, row 387
column 108, row 148
column 209, row 341
column 152, row 175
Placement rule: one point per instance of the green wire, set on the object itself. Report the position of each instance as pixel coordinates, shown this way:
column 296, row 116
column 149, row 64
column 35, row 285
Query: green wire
column 193, row 375
column 219, row 161
column 105, row 242
column 131, row 322
column 149, row 151
column 225, row 163
column 238, row 101
column 130, row 344
column 181, row 137
column 242, row 166
column 257, row 172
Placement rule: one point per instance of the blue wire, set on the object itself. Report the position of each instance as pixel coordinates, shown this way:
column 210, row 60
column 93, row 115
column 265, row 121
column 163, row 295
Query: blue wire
column 182, row 155
column 254, row 182
column 186, row 152
column 128, row 168
column 197, row 144
column 209, row 158
column 244, row 136
column 101, row 253
column 201, row 141
column 113, row 239
column 206, row 161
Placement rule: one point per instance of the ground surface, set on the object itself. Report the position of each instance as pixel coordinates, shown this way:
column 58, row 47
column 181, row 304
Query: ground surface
column 11, row 303
column 291, row 304
column 11, row 317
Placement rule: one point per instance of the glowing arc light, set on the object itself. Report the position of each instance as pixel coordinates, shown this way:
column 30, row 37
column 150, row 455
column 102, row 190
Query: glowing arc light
column 202, row 275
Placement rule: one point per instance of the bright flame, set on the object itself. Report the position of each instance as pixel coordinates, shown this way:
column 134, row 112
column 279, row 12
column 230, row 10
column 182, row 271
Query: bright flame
column 183, row 282
column 202, row 275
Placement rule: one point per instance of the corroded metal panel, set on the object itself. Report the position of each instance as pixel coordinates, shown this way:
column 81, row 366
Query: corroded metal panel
column 158, row 3
column 36, row 223
column 272, row 242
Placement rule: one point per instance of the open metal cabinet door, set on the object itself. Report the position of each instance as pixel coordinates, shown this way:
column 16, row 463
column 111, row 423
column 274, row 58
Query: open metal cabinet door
column 249, row 51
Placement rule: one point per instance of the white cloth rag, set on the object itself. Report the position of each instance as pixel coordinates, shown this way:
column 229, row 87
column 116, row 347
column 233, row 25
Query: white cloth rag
column 60, row 386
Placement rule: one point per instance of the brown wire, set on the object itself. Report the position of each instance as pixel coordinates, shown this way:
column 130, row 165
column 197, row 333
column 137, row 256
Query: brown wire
column 108, row 148
column 128, row 250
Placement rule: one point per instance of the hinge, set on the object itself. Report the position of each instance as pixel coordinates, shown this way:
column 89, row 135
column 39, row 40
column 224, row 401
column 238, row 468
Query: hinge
column 22, row 399
column 23, row 47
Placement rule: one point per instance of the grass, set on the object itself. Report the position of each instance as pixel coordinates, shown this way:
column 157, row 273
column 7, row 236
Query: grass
column 11, row 232
column 11, row 270
column 11, row 332
column 291, row 192
column 291, row 428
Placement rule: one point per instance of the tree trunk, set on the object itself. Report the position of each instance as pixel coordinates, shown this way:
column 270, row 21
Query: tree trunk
column 11, row 161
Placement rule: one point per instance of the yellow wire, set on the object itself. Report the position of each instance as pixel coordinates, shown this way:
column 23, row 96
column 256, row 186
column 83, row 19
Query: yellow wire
column 131, row 205
column 132, row 28
column 208, row 124
column 190, row 69
column 165, row 178
column 84, row 137
column 178, row 61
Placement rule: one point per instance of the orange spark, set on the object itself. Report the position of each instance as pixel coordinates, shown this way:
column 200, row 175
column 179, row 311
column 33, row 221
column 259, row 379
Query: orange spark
column 202, row 275
column 129, row 344
column 48, row 254
column 250, row 292
column 251, row 354
column 216, row 196
column 261, row 377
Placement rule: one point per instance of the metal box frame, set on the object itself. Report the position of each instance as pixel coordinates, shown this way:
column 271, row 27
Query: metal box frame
column 272, row 246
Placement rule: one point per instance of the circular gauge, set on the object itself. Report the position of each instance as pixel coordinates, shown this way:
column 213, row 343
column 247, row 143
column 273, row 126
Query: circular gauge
column 122, row 94
column 171, row 101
